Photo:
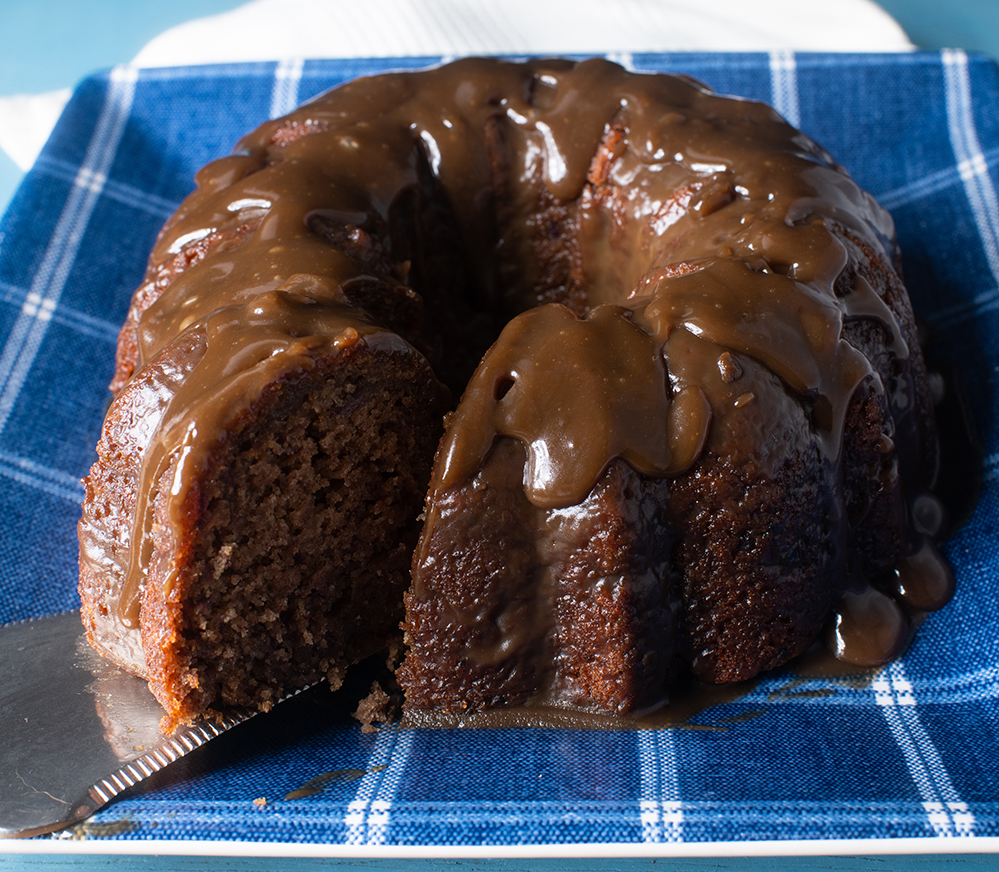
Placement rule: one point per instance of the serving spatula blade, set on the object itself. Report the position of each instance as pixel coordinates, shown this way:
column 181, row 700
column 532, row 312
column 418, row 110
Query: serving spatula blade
column 75, row 730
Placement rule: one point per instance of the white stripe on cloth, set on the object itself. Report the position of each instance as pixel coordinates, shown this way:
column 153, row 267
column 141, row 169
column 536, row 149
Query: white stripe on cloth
column 624, row 58
column 659, row 803
column 953, row 316
column 784, row 85
column 113, row 190
column 368, row 813
column 991, row 460
column 928, row 185
column 43, row 478
column 25, row 337
column 971, row 163
column 948, row 815
column 65, row 316
column 285, row 95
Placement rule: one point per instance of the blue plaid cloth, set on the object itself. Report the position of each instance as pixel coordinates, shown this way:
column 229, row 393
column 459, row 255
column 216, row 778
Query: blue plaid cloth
column 913, row 753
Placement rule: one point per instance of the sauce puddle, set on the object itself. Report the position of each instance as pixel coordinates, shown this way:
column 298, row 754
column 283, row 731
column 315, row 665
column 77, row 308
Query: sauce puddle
column 685, row 712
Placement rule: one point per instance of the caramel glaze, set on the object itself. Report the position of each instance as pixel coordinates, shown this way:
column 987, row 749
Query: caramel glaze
column 716, row 252
column 679, row 268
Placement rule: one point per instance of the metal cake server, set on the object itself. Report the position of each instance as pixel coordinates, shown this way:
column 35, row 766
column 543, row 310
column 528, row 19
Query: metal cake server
column 75, row 730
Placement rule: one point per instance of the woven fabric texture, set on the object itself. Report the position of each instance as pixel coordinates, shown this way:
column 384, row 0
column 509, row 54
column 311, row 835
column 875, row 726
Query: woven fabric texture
column 912, row 751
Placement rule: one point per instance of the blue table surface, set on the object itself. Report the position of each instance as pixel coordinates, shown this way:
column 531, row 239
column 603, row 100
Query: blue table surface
column 52, row 45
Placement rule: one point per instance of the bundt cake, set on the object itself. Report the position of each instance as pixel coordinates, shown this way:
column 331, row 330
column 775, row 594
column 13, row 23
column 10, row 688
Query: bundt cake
column 700, row 436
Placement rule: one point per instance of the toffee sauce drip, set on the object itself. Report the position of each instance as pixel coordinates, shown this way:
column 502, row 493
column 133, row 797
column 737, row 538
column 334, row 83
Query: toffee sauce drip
column 717, row 233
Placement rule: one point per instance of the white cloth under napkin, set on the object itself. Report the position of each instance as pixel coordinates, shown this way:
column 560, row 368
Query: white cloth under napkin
column 277, row 29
